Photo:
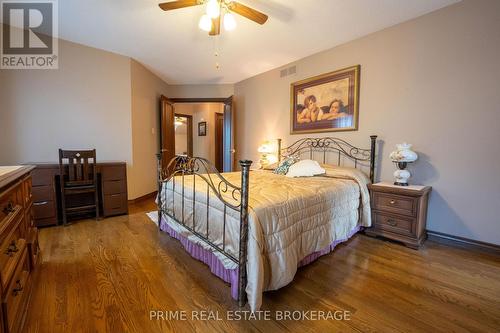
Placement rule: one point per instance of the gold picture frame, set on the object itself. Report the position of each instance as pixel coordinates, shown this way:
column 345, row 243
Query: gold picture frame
column 332, row 102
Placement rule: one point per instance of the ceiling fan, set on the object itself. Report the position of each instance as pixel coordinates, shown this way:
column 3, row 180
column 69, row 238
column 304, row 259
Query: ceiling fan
column 211, row 21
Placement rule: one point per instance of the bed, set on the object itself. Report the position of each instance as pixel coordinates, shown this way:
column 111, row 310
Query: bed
column 255, row 228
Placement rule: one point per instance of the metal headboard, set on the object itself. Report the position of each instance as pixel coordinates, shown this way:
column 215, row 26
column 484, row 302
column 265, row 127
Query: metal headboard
column 332, row 145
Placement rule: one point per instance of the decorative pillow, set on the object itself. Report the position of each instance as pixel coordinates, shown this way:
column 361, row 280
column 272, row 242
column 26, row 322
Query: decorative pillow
column 305, row 168
column 282, row 168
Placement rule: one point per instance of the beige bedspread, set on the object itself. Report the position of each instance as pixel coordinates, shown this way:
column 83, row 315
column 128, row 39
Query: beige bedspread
column 289, row 218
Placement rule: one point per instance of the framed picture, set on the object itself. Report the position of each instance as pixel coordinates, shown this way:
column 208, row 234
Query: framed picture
column 202, row 128
column 326, row 103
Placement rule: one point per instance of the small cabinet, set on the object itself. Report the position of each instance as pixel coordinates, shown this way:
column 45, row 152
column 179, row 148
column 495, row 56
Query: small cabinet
column 399, row 212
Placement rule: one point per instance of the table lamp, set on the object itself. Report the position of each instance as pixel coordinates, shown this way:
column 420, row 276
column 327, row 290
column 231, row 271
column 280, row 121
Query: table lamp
column 401, row 157
column 265, row 149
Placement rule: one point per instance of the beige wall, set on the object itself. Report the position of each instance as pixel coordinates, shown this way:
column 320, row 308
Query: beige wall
column 83, row 104
column 203, row 146
column 146, row 91
column 433, row 82
column 96, row 99
column 201, row 91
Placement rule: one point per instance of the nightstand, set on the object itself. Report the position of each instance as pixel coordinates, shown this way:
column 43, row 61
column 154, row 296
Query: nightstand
column 399, row 212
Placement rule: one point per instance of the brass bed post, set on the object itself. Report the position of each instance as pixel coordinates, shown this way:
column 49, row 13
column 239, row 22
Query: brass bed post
column 242, row 262
column 160, row 185
column 372, row 157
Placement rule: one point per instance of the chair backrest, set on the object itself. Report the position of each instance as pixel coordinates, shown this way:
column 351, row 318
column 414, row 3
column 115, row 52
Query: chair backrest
column 81, row 167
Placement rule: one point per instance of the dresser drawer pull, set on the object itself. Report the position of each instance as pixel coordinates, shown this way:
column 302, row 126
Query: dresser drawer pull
column 19, row 287
column 392, row 222
column 392, row 202
column 40, row 203
column 11, row 249
column 8, row 209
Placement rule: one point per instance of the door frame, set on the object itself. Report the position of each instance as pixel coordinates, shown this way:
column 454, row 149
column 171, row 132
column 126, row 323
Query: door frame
column 198, row 100
column 189, row 131
column 229, row 144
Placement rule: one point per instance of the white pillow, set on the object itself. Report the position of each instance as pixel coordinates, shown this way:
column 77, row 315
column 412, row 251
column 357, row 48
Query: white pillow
column 305, row 168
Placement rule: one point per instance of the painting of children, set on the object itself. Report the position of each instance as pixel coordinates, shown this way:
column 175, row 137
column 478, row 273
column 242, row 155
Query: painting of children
column 326, row 103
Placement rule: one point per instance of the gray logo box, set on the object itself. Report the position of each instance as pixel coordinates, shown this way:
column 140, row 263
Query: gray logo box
column 29, row 34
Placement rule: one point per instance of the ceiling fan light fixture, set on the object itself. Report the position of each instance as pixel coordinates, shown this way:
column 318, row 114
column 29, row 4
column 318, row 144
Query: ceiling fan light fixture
column 213, row 9
column 205, row 23
column 229, row 22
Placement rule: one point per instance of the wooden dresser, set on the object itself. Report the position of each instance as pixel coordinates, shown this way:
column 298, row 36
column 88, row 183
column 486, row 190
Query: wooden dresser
column 399, row 212
column 112, row 178
column 19, row 250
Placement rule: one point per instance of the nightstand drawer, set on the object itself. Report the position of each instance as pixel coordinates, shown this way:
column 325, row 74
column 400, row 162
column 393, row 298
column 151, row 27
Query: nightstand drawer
column 391, row 223
column 395, row 203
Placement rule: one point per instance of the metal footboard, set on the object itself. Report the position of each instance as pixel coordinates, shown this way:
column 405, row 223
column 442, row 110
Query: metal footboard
column 232, row 197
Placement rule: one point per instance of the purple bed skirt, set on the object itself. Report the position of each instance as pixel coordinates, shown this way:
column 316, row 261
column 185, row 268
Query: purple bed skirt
column 231, row 275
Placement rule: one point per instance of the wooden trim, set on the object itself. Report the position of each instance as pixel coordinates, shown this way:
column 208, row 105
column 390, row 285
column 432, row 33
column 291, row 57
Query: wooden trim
column 198, row 100
column 452, row 240
column 144, row 197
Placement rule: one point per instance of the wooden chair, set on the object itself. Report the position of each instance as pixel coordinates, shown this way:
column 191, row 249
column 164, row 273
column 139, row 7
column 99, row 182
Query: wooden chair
column 78, row 175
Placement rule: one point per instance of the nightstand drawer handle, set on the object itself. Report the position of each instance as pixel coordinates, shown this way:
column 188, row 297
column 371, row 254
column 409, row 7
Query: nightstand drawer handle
column 392, row 202
column 392, row 222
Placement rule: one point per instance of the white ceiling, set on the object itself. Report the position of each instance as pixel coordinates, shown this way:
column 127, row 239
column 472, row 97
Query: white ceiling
column 172, row 46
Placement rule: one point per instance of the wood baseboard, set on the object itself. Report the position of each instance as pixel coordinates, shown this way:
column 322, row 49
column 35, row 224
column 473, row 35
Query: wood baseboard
column 456, row 240
column 142, row 198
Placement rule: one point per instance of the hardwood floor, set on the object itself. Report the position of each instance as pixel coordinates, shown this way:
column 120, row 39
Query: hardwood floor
column 107, row 276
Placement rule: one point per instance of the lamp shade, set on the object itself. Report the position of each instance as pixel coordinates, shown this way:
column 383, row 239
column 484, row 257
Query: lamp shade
column 205, row 23
column 229, row 22
column 403, row 153
column 265, row 148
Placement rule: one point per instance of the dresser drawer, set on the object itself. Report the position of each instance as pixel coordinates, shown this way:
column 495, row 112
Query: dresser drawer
column 11, row 248
column 114, row 172
column 44, row 209
column 400, row 225
column 9, row 212
column 114, row 187
column 42, row 176
column 46, row 222
column 395, row 203
column 16, row 294
column 115, row 204
column 43, row 193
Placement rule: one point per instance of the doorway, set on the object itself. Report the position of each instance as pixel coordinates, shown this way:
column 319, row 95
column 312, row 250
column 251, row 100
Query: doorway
column 199, row 128
column 183, row 127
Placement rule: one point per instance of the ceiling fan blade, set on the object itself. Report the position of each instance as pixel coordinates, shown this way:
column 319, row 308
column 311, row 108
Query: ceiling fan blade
column 215, row 27
column 248, row 12
column 178, row 4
